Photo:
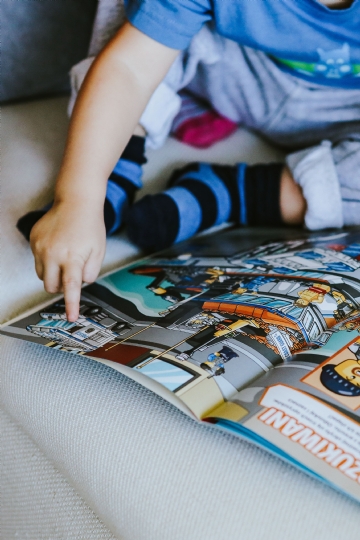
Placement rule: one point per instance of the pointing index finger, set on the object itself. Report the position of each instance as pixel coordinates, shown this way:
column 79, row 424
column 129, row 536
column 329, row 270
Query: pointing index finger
column 72, row 281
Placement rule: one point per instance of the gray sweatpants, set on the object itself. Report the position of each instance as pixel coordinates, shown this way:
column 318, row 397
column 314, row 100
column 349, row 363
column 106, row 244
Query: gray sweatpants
column 319, row 125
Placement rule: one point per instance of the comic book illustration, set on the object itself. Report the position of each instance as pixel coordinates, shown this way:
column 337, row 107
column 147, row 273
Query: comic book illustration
column 228, row 324
column 308, row 408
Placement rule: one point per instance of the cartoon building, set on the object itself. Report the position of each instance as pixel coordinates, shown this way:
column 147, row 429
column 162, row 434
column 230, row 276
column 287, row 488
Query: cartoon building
column 286, row 257
column 86, row 334
column 278, row 316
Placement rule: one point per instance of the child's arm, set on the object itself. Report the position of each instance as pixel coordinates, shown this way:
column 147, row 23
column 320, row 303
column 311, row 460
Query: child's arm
column 69, row 241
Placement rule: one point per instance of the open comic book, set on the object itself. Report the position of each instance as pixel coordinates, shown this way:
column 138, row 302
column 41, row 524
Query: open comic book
column 256, row 333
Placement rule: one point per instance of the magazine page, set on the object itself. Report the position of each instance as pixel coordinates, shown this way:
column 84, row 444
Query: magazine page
column 127, row 322
column 151, row 322
column 308, row 409
column 200, row 322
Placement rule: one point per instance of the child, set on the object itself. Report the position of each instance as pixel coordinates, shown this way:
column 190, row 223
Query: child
column 288, row 69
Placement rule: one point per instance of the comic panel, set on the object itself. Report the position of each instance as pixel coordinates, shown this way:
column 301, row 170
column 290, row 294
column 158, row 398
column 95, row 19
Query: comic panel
column 339, row 376
column 200, row 347
column 291, row 313
column 108, row 335
column 314, row 434
column 314, row 428
column 320, row 434
column 295, row 374
column 337, row 254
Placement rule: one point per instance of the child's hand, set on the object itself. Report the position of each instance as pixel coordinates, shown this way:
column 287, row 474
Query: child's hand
column 69, row 241
column 69, row 245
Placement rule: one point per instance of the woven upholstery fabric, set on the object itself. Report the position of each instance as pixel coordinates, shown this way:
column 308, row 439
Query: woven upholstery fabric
column 37, row 502
column 151, row 473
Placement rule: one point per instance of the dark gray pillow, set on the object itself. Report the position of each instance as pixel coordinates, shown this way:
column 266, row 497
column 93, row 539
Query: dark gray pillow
column 41, row 40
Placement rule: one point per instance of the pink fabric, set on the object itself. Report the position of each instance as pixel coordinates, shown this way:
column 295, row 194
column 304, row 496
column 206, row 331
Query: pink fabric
column 204, row 130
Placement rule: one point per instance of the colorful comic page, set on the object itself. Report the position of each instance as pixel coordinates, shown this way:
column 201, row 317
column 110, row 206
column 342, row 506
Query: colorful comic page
column 260, row 337
column 307, row 409
column 206, row 320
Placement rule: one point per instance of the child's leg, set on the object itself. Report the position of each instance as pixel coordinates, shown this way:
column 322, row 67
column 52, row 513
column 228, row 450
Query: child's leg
column 329, row 177
column 320, row 187
column 203, row 195
column 123, row 183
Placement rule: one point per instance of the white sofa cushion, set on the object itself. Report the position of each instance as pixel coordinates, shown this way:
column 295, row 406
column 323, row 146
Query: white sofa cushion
column 37, row 502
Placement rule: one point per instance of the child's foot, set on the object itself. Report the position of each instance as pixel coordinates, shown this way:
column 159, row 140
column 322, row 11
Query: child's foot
column 203, row 195
column 198, row 125
column 123, row 183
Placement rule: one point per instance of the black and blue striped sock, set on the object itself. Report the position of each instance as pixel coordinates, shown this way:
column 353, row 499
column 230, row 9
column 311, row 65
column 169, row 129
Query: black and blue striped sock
column 203, row 195
column 123, row 183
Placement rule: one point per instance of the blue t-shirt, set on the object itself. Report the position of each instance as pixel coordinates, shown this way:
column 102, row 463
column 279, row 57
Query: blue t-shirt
column 302, row 36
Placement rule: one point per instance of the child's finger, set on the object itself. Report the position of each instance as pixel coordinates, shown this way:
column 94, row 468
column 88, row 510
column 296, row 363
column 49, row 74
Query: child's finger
column 39, row 268
column 71, row 283
column 92, row 268
column 52, row 277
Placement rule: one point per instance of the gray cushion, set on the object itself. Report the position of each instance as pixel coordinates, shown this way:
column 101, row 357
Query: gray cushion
column 41, row 40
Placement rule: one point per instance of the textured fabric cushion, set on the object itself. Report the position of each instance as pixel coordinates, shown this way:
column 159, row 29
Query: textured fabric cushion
column 40, row 42
column 37, row 502
column 151, row 473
